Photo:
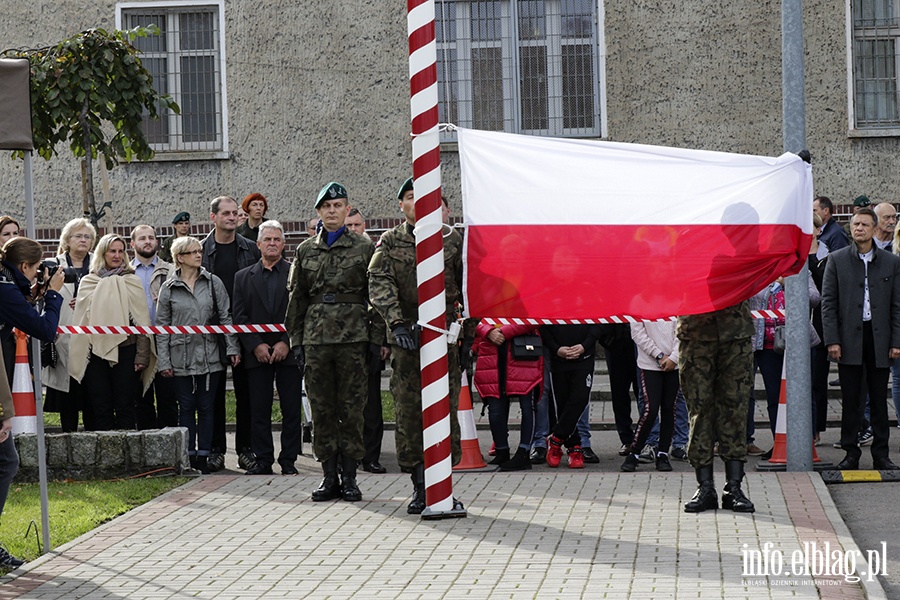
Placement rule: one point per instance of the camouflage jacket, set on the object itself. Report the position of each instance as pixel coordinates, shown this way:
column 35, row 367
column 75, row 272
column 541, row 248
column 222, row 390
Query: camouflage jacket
column 393, row 290
column 328, row 291
column 732, row 323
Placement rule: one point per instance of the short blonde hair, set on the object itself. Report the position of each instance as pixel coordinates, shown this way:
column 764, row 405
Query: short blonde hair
column 70, row 228
column 182, row 244
column 98, row 261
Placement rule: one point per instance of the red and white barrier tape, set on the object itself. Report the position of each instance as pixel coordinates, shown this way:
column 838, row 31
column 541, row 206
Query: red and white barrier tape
column 757, row 314
column 183, row 329
column 279, row 327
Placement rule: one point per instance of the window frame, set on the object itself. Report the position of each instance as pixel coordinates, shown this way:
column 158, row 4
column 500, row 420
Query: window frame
column 854, row 129
column 219, row 149
column 511, row 63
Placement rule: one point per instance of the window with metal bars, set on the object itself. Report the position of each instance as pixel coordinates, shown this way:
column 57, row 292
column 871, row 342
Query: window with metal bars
column 185, row 60
column 522, row 66
column 876, row 61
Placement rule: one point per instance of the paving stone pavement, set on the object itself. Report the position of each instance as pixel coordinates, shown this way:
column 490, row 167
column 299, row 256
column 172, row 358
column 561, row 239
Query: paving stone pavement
column 540, row 534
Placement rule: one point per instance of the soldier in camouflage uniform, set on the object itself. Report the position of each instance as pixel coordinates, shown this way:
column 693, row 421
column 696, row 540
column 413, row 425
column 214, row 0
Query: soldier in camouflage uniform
column 716, row 366
column 393, row 292
column 327, row 320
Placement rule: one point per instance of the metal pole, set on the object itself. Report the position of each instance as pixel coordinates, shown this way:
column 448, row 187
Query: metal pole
column 797, row 353
column 36, row 361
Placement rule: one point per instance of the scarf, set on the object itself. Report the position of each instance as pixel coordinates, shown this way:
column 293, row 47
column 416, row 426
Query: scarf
column 108, row 301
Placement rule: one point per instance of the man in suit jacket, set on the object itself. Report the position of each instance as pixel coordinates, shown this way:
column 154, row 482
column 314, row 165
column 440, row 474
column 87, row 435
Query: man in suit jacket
column 861, row 326
column 260, row 296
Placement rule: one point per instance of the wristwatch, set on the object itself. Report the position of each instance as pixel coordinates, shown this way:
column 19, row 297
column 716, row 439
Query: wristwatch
column 659, row 357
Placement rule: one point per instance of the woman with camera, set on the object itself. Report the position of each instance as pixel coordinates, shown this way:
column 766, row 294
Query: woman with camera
column 115, row 369
column 20, row 264
column 194, row 296
column 64, row 394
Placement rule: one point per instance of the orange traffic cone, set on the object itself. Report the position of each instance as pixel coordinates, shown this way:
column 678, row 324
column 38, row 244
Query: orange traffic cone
column 779, row 451
column 471, row 452
column 25, row 420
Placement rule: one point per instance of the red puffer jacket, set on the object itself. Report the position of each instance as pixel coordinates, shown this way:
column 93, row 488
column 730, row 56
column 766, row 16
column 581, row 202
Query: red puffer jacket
column 521, row 375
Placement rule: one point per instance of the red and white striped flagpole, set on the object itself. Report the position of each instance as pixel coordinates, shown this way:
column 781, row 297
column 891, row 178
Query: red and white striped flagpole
column 430, row 259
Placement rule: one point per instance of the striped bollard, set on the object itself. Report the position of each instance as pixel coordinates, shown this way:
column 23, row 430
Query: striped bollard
column 430, row 260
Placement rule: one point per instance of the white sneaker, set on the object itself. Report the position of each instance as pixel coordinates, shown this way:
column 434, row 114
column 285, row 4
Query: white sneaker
column 648, row 454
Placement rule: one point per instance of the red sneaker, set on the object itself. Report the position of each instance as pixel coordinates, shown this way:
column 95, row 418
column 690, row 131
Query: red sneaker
column 554, row 451
column 493, row 450
column 576, row 458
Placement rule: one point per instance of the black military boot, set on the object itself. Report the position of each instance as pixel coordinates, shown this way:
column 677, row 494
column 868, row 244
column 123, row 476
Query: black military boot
column 349, row 490
column 418, row 480
column 733, row 497
column 705, row 498
column 330, row 489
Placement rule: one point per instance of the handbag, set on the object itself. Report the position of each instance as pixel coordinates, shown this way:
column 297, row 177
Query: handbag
column 779, row 342
column 527, row 347
column 220, row 338
column 49, row 354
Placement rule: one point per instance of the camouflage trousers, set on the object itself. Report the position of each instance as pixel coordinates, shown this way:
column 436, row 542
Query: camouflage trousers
column 336, row 379
column 716, row 380
column 406, row 386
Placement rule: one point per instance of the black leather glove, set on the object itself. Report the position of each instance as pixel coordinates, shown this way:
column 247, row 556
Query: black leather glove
column 404, row 338
column 298, row 353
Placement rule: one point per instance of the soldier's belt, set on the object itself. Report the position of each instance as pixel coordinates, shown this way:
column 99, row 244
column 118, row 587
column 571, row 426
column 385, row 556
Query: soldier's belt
column 338, row 299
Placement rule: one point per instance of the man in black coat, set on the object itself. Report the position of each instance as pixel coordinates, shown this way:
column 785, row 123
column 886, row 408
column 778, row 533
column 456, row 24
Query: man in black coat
column 861, row 326
column 261, row 297
column 225, row 252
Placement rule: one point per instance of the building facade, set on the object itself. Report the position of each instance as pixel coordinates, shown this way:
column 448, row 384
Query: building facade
column 282, row 97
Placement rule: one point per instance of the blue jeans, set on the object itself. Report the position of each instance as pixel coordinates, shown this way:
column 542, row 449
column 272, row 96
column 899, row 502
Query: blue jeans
column 498, row 416
column 584, row 427
column 195, row 394
column 9, row 466
column 542, row 412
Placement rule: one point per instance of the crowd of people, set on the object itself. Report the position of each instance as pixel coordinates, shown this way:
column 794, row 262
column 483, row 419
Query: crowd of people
column 350, row 306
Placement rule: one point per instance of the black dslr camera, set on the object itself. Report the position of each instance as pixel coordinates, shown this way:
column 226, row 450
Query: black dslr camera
column 49, row 268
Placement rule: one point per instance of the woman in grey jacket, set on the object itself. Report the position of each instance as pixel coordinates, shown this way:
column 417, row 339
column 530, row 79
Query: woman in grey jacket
column 194, row 296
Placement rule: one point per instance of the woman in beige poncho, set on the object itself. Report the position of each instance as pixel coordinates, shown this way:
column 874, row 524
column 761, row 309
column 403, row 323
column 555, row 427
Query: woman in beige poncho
column 115, row 370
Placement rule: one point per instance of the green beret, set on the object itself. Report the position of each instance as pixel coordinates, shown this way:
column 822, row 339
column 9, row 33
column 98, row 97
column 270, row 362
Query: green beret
column 407, row 186
column 862, row 201
column 331, row 191
column 182, row 216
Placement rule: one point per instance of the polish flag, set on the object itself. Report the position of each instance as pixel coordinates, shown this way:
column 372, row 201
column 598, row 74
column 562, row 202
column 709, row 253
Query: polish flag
column 578, row 229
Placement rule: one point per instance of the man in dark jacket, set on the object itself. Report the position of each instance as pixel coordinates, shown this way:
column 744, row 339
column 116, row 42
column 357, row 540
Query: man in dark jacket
column 832, row 235
column 225, row 252
column 260, row 296
column 861, row 326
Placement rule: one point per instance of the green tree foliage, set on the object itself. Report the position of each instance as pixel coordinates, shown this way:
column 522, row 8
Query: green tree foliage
column 92, row 92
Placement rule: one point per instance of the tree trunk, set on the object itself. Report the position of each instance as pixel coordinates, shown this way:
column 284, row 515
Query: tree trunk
column 87, row 172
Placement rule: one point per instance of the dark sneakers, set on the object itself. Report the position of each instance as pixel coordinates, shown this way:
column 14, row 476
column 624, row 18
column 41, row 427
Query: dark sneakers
column 662, row 463
column 589, row 456
column 216, row 462
column 519, row 462
column 631, row 463
column 8, row 561
column 538, row 455
column 246, row 459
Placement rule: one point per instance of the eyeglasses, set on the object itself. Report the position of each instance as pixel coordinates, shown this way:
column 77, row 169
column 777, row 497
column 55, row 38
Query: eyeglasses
column 197, row 251
column 82, row 236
